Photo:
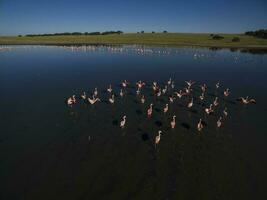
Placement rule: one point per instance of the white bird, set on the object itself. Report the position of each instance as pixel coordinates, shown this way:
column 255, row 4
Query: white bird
column 157, row 139
column 159, row 93
column 140, row 84
column 123, row 122
column 83, row 96
column 189, row 83
column 164, row 90
column 169, row 81
column 203, row 87
column 171, row 99
column 150, row 110
column 111, row 99
column 219, row 122
column 246, row 100
column 95, row 92
column 209, row 110
column 172, row 86
column 71, row 100
column 124, row 83
column 200, row 125
column 217, row 85
column 225, row 112
column 121, row 93
column 179, row 94
column 190, row 104
column 143, row 99
column 173, row 122
column 166, row 108
column 154, row 86
column 226, row 92
column 138, row 91
column 216, row 102
column 202, row 96
column 93, row 100
column 109, row 89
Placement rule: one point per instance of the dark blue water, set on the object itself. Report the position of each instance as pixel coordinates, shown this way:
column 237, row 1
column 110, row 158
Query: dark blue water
column 51, row 151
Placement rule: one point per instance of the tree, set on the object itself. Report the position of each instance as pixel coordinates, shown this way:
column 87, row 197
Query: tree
column 165, row 32
column 153, row 31
column 142, row 31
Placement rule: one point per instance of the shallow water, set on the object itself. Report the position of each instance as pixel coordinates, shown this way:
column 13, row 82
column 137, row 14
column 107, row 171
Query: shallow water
column 51, row 151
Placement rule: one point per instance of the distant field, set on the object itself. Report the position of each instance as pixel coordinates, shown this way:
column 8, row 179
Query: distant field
column 170, row 39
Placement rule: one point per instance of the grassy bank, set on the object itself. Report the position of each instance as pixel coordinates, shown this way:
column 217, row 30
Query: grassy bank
column 171, row 39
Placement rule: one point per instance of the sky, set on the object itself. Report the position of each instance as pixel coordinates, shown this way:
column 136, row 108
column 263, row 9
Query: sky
column 202, row 16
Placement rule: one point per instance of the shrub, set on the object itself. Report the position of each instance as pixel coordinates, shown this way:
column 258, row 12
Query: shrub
column 217, row 37
column 235, row 39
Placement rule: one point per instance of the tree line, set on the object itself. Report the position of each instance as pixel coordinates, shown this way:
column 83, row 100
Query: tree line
column 261, row 33
column 75, row 33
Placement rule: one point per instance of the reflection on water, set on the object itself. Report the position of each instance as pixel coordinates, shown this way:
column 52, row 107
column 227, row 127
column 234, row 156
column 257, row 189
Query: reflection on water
column 49, row 150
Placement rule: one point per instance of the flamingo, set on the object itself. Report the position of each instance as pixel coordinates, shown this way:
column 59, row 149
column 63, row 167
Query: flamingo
column 138, row 91
column 93, row 100
column 246, row 100
column 71, row 101
column 209, row 110
column 111, row 99
column 219, row 122
column 179, row 94
column 143, row 99
column 225, row 112
column 123, row 122
column 124, row 83
column 200, row 125
column 226, row 92
column 164, row 90
column 217, row 85
column 190, row 104
column 172, row 85
column 166, row 108
column 203, row 87
column 95, row 92
column 109, row 89
column 189, row 83
column 150, row 110
column 157, row 139
column 140, row 84
column 121, row 93
column 83, row 96
column 173, row 122
column 215, row 102
column 159, row 93
column 169, row 81
column 171, row 99
column 154, row 86
column 202, row 96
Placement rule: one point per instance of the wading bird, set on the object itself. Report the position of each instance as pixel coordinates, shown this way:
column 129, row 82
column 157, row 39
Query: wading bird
column 121, row 93
column 123, row 122
column 190, row 104
column 112, row 99
column 143, row 99
column 246, row 100
column 219, row 122
column 95, row 92
column 166, row 108
column 83, row 96
column 157, row 139
column 216, row 102
column 173, row 122
column 150, row 110
column 200, row 125
column 209, row 110
column 225, row 112
column 109, row 89
column 93, row 100
column 226, row 92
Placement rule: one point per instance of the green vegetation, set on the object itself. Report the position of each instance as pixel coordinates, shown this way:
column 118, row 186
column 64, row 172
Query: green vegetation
column 74, row 33
column 217, row 37
column 259, row 33
column 169, row 39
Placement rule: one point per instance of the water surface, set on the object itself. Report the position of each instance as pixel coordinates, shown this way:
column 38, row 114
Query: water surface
column 51, row 151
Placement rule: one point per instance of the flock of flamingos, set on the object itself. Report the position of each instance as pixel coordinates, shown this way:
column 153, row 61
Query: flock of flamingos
column 158, row 91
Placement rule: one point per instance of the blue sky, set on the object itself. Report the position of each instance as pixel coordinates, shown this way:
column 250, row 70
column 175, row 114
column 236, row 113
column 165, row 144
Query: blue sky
column 50, row 16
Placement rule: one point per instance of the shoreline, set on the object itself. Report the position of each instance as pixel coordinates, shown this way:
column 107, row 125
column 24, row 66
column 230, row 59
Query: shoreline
column 147, row 39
